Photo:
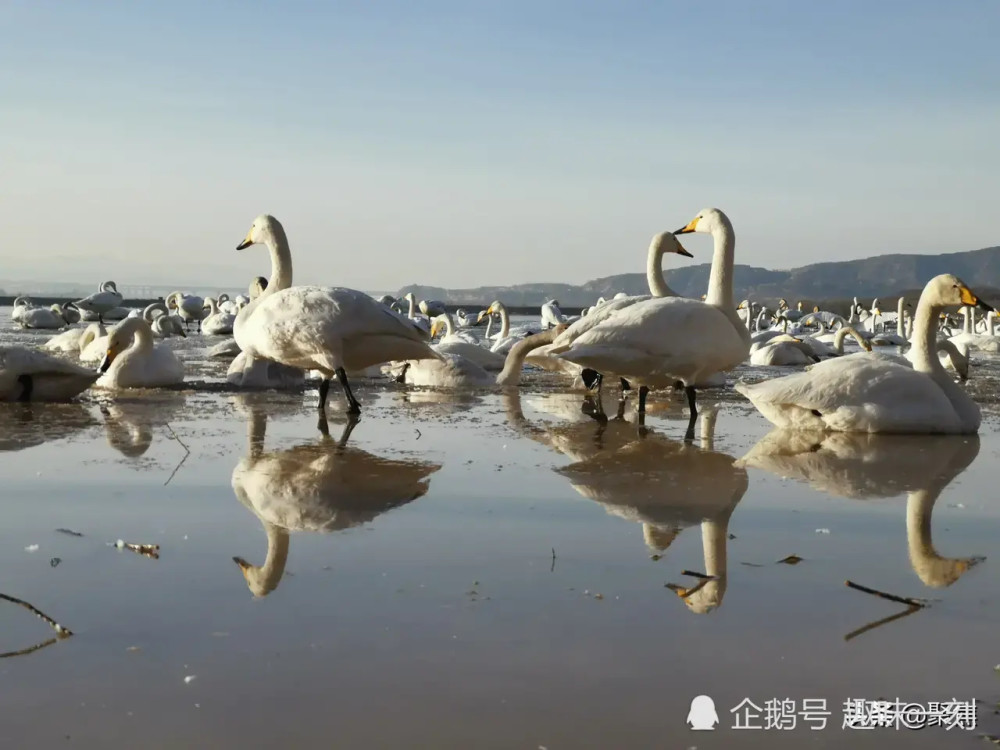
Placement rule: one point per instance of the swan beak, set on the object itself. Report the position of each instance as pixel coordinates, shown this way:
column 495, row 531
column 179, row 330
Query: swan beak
column 689, row 228
column 247, row 241
column 682, row 251
column 109, row 357
column 968, row 298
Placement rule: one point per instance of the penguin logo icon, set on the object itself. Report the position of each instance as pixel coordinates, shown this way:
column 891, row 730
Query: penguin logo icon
column 702, row 716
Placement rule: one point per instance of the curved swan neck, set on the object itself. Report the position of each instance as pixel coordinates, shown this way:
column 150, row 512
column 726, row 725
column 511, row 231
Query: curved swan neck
column 142, row 334
column 511, row 373
column 213, row 306
column 281, row 270
column 449, row 324
column 658, row 286
column 147, row 314
column 504, row 322
column 265, row 579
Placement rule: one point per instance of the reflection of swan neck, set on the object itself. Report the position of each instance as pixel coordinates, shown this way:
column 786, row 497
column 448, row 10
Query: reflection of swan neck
column 262, row 580
column 935, row 571
column 714, row 541
column 708, row 419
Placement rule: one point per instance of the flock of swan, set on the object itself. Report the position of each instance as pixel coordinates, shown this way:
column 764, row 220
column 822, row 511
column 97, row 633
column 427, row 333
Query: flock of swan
column 282, row 333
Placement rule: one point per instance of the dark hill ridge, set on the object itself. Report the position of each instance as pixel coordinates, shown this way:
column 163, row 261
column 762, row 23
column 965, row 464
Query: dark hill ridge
column 880, row 276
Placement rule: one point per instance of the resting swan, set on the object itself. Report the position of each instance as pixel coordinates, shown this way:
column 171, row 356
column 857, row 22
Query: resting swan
column 75, row 340
column 133, row 360
column 657, row 342
column 43, row 317
column 452, row 344
column 163, row 325
column 863, row 393
column 330, row 329
column 28, row 375
column 216, row 323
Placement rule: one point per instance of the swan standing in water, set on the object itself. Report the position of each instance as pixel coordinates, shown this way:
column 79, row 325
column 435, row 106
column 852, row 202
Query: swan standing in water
column 330, row 329
column 28, row 375
column 102, row 302
column 133, row 360
column 661, row 244
column 862, row 393
column 320, row 487
column 657, row 342
column 188, row 306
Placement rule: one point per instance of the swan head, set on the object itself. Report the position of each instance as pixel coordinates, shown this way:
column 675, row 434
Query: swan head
column 437, row 326
column 494, row 308
column 257, row 287
column 708, row 221
column 119, row 339
column 264, row 230
column 665, row 242
column 951, row 290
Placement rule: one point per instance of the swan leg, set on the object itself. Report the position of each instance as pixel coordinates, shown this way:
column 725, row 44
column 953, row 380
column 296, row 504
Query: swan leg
column 353, row 407
column 591, row 379
column 643, row 392
column 324, row 389
column 27, row 386
column 401, row 378
column 594, row 409
column 692, row 406
column 352, row 422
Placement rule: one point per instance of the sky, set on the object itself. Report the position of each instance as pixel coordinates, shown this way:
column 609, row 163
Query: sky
column 472, row 143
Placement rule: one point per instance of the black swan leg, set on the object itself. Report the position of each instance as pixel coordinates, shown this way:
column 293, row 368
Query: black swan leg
column 353, row 407
column 693, row 407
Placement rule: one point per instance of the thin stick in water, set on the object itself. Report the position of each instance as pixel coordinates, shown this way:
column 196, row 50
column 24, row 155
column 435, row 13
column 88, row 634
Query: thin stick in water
column 891, row 597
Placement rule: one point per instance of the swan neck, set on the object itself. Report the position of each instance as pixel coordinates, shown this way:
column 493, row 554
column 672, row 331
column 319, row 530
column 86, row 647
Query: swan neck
column 720, row 281
column 281, row 272
column 449, row 325
column 924, row 351
column 504, row 322
column 412, row 312
column 658, row 286
column 511, row 373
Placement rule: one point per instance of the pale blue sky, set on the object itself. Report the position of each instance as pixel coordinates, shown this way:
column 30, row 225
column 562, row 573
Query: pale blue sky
column 472, row 143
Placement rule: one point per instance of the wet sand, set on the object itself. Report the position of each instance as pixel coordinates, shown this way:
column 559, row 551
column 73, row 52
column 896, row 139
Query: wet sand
column 480, row 570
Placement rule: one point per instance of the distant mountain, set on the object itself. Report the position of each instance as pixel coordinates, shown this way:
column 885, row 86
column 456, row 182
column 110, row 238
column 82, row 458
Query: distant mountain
column 881, row 276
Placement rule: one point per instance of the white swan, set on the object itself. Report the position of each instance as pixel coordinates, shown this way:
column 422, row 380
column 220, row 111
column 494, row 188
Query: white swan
column 661, row 244
column 432, row 307
column 862, row 393
column 502, row 341
column 455, row 371
column 102, row 302
column 75, row 340
column 455, row 344
column 48, row 318
column 319, row 487
column 252, row 372
column 216, row 323
column 657, row 342
column 189, row 306
column 984, row 342
column 28, row 375
column 161, row 322
column 898, row 338
column 782, row 351
column 330, row 329
column 421, row 321
column 551, row 314
column 133, row 360
column 21, row 306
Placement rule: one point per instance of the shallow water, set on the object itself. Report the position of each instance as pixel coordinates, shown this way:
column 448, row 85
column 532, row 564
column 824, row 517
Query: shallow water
column 480, row 570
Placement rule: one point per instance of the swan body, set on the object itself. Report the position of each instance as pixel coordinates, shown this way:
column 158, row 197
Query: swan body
column 551, row 315
column 227, row 348
column 102, row 302
column 190, row 307
column 251, row 372
column 783, row 351
column 75, row 340
column 133, row 360
column 161, row 322
column 659, row 341
column 454, row 344
column 216, row 323
column 21, row 306
column 862, row 393
column 29, row 375
column 450, row 371
column 330, row 329
column 43, row 317
column 432, row 307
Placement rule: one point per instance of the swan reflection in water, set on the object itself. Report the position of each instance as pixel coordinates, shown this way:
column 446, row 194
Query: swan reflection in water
column 322, row 485
column 863, row 466
column 665, row 485
column 31, row 423
column 130, row 422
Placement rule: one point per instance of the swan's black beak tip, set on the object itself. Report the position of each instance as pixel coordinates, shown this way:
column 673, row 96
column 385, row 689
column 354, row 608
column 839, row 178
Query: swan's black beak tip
column 105, row 364
column 685, row 253
column 244, row 245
